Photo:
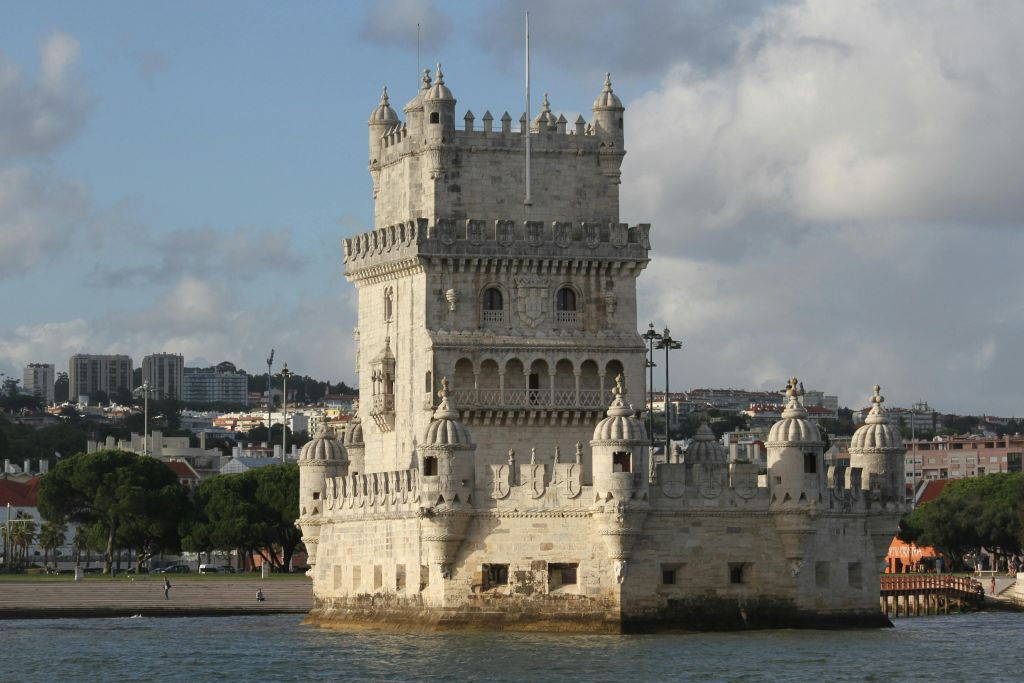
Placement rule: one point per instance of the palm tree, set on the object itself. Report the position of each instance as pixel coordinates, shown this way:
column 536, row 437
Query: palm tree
column 80, row 543
column 51, row 537
column 22, row 533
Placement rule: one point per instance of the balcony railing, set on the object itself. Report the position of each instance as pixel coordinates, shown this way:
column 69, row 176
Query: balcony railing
column 567, row 317
column 496, row 317
column 499, row 399
column 383, row 403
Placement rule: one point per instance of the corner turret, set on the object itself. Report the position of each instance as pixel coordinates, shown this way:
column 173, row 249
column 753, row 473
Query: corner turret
column 877, row 448
column 446, row 463
column 609, row 121
column 618, row 451
column 438, row 111
column 320, row 459
column 354, row 447
column 795, row 457
column 381, row 121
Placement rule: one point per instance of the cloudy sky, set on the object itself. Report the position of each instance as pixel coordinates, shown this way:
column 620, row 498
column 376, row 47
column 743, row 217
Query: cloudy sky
column 836, row 188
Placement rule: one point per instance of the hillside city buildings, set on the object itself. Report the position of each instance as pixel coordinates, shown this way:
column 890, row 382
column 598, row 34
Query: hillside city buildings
column 164, row 373
column 203, row 385
column 38, row 379
column 88, row 374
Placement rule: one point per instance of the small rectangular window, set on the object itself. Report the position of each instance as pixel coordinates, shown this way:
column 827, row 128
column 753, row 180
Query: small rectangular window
column 854, row 575
column 316, row 495
column 495, row 575
column 810, row 463
column 400, row 577
column 562, row 574
column 378, row 577
column 430, row 466
column 622, row 461
column 670, row 574
column 821, row 574
column 738, row 572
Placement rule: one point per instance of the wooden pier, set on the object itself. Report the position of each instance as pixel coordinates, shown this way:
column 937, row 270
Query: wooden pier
column 915, row 595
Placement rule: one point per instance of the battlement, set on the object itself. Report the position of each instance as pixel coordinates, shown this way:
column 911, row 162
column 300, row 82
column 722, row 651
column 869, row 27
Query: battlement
column 499, row 238
column 373, row 493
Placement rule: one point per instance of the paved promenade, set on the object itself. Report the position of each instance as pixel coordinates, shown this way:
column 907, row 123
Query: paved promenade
column 119, row 598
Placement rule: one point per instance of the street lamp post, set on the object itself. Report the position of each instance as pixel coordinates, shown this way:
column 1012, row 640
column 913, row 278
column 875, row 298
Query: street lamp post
column 650, row 336
column 669, row 344
column 270, row 404
column 145, row 388
column 285, row 374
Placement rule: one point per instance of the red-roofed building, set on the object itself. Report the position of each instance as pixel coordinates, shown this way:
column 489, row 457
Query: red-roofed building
column 187, row 476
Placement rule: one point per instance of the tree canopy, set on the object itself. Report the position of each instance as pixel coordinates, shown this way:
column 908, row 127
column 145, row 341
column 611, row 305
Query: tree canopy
column 971, row 513
column 134, row 499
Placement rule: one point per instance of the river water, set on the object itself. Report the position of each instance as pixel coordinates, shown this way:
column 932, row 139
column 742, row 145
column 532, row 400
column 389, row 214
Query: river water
column 977, row 647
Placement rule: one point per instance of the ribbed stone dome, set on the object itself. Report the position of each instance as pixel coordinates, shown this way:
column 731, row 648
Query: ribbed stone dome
column 545, row 119
column 323, row 447
column 417, row 102
column 384, row 113
column 354, row 430
column 446, row 430
column 439, row 91
column 621, row 423
column 794, row 427
column 705, row 448
column 607, row 99
column 876, row 432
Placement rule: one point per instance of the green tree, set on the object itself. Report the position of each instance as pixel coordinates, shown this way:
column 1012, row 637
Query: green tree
column 61, row 386
column 108, row 488
column 51, row 537
column 23, row 532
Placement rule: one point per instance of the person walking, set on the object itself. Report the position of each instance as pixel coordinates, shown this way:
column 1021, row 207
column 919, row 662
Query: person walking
column 167, row 588
column 992, row 588
column 259, row 595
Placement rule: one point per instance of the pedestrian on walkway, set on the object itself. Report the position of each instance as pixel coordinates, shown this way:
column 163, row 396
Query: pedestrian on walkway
column 167, row 588
column 992, row 589
column 259, row 595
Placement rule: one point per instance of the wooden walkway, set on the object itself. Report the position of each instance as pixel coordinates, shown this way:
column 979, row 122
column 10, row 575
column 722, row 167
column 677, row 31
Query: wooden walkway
column 114, row 598
column 914, row 595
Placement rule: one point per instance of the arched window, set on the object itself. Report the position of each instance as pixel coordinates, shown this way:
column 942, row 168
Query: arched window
column 435, row 117
column 566, row 299
column 493, row 300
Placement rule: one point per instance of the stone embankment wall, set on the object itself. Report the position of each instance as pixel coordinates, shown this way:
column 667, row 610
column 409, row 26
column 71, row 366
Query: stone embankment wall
column 121, row 598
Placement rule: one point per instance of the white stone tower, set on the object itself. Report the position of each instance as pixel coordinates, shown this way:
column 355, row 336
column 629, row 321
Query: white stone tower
column 529, row 310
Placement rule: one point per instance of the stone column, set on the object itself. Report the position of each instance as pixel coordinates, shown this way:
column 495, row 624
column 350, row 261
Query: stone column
column 577, row 374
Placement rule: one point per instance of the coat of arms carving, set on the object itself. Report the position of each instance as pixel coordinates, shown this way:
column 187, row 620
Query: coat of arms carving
column 672, row 480
column 591, row 234
column 709, row 478
column 534, row 233
column 504, row 232
column 562, row 233
column 531, row 476
column 619, row 235
column 500, row 487
column 745, row 483
column 532, row 300
column 475, row 232
column 566, row 479
column 446, row 231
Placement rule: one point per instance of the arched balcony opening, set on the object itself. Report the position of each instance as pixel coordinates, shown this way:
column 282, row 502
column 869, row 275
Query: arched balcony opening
column 489, row 384
column 464, row 382
column 515, row 393
column 590, row 385
column 566, row 311
column 493, row 305
column 539, row 383
column 565, row 389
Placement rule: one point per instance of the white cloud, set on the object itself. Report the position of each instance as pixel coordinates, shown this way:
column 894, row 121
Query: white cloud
column 842, row 201
column 393, row 23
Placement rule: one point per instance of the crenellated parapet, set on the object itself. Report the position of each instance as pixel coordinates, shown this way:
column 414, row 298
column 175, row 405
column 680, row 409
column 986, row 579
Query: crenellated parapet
column 400, row 246
column 376, row 493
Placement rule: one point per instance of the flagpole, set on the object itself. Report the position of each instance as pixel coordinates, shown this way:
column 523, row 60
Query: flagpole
column 526, row 127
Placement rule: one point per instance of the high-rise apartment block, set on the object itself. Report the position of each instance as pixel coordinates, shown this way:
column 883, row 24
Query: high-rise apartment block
column 88, row 373
column 38, row 380
column 203, row 385
column 165, row 374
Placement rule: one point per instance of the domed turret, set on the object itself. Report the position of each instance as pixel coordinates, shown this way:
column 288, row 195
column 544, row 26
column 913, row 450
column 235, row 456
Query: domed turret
column 320, row 459
column 545, row 120
column 438, row 110
column 608, row 113
column 354, row 446
column 705, row 449
column 414, row 107
column 877, row 448
column 447, row 456
column 618, row 450
column 795, row 458
column 381, row 121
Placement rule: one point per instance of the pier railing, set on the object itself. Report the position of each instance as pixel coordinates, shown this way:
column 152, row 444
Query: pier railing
column 909, row 595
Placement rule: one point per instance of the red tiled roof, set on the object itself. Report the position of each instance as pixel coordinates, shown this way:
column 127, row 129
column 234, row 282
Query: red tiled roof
column 18, row 494
column 181, row 469
column 932, row 490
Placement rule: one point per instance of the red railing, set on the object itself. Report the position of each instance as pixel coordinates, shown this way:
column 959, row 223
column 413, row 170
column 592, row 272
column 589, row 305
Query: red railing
column 917, row 583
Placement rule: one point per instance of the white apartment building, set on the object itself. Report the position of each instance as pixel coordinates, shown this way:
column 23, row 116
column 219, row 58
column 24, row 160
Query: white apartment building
column 89, row 373
column 211, row 386
column 165, row 374
column 38, row 380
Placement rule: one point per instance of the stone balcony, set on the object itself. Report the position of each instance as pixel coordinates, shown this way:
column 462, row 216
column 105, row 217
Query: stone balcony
column 531, row 399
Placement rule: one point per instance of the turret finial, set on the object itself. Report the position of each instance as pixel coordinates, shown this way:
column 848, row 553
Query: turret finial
column 620, row 388
column 443, row 393
column 439, row 77
column 511, row 457
column 384, row 97
column 579, row 452
column 607, row 81
column 877, row 399
column 533, row 456
column 545, row 105
column 426, row 80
